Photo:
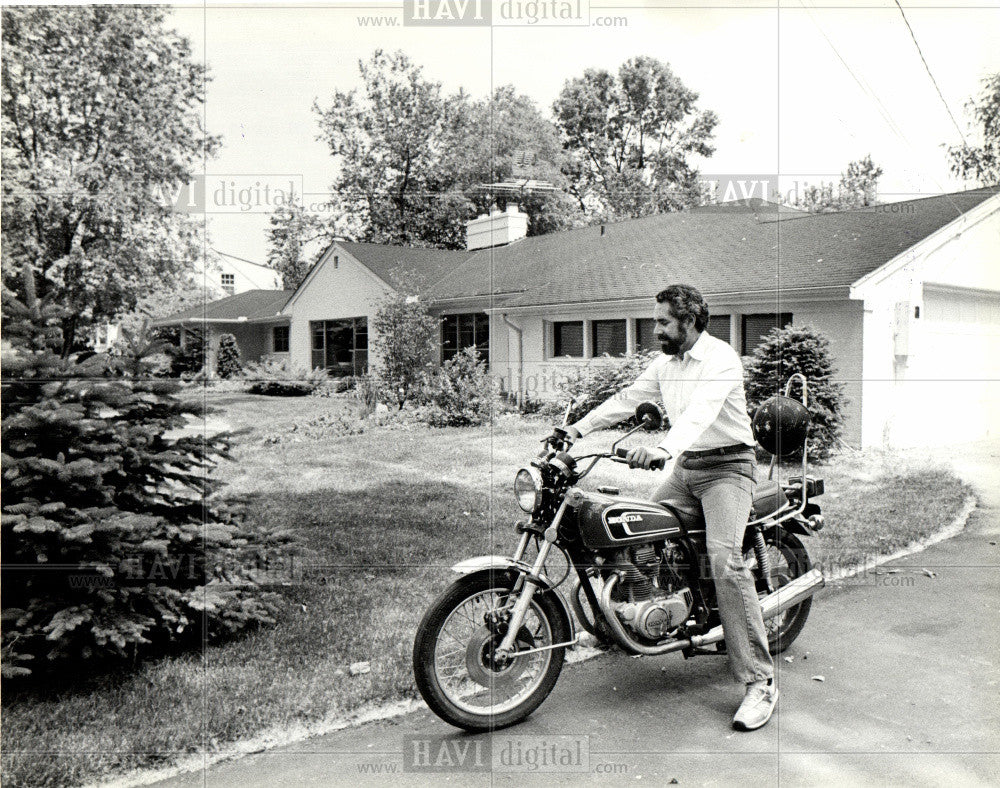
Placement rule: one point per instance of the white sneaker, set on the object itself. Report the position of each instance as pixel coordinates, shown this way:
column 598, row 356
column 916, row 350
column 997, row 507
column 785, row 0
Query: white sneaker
column 757, row 706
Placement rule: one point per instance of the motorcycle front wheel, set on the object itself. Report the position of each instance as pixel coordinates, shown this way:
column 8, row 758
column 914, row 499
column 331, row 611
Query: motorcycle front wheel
column 454, row 660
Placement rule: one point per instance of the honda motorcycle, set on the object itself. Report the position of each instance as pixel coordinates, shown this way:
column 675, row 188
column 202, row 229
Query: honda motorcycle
column 490, row 649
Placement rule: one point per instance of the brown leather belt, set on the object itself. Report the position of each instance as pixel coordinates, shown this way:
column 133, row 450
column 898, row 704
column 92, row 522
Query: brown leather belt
column 736, row 448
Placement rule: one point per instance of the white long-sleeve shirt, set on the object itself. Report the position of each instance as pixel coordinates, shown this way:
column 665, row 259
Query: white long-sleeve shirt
column 702, row 393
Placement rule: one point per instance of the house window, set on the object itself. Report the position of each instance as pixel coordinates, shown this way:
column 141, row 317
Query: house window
column 340, row 346
column 471, row 329
column 279, row 337
column 567, row 338
column 644, row 337
column 756, row 327
column 718, row 327
column 608, row 337
column 229, row 283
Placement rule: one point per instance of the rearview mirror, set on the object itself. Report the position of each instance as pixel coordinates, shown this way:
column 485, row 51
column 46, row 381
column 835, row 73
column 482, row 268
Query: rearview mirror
column 649, row 416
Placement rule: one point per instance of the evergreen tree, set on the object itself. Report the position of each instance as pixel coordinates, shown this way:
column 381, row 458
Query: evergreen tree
column 227, row 360
column 782, row 353
column 113, row 540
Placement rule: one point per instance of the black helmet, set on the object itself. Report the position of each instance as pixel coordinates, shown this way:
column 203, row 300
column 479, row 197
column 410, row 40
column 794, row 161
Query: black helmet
column 780, row 425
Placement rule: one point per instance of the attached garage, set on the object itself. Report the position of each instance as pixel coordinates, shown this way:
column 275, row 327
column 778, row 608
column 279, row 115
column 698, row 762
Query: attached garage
column 932, row 338
column 954, row 381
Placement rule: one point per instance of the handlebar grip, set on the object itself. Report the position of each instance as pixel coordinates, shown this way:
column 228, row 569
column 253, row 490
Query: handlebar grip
column 656, row 465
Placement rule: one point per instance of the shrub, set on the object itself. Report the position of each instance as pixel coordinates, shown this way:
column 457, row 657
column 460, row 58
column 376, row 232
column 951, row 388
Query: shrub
column 804, row 349
column 227, row 359
column 405, row 335
column 339, row 385
column 461, row 393
column 277, row 379
column 115, row 541
column 599, row 380
column 185, row 361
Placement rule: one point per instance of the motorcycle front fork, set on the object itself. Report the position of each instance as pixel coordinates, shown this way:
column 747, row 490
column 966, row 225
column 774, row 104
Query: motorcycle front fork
column 529, row 581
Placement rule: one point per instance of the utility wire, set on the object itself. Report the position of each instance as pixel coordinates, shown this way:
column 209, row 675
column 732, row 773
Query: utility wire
column 930, row 74
column 881, row 108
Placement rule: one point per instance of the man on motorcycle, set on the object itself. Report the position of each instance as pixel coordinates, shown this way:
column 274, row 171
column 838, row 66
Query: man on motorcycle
column 699, row 380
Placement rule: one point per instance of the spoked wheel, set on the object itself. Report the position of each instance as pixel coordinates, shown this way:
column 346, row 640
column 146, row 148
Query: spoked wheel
column 456, row 666
column 788, row 559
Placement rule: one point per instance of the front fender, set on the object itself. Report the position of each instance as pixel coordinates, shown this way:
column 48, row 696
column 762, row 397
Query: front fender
column 492, row 565
column 480, row 562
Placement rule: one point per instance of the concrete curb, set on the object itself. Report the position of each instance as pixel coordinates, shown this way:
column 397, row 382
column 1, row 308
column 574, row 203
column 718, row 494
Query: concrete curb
column 286, row 736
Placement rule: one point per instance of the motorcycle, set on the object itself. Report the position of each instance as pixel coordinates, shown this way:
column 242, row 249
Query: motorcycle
column 489, row 650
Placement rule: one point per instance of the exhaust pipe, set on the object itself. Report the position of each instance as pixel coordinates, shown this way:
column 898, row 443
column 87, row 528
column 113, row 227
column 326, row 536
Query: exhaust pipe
column 774, row 604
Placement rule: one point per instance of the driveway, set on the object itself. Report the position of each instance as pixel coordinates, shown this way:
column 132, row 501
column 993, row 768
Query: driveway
column 910, row 695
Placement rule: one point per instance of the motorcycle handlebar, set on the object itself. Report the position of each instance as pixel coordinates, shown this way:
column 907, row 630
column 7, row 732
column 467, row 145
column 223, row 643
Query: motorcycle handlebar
column 621, row 453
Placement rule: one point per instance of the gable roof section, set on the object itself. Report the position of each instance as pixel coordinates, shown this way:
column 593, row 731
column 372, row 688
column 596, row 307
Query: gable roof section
column 249, row 305
column 718, row 251
column 399, row 266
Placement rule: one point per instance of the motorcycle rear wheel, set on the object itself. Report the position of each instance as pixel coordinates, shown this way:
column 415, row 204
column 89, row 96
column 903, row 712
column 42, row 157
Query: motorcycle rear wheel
column 789, row 560
column 453, row 655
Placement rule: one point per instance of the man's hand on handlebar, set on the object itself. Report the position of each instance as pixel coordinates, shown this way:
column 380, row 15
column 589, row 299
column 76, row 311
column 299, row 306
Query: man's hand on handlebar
column 647, row 457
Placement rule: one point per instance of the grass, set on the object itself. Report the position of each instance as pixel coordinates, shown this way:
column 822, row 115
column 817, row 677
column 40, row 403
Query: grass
column 380, row 516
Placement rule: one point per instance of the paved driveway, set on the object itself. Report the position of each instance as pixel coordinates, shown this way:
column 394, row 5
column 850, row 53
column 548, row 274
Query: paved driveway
column 910, row 696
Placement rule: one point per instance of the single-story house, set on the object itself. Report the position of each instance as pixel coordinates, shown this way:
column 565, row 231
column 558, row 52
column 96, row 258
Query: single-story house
column 908, row 294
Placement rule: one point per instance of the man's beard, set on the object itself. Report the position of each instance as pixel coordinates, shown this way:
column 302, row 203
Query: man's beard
column 671, row 346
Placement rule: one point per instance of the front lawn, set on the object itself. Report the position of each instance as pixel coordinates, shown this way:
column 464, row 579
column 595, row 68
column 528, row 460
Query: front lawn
column 380, row 517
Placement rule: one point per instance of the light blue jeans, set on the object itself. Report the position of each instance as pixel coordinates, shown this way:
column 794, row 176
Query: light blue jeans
column 723, row 487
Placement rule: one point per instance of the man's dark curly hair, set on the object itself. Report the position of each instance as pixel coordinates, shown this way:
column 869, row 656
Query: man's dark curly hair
column 685, row 301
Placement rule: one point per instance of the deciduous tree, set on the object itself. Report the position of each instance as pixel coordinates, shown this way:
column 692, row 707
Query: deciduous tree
column 633, row 137
column 101, row 109
column 293, row 241
column 413, row 159
column 858, row 188
column 981, row 163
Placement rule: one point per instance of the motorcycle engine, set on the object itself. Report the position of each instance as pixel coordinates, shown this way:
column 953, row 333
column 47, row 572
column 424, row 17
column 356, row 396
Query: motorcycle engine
column 652, row 603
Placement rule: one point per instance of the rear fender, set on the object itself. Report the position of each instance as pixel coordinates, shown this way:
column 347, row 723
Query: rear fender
column 489, row 566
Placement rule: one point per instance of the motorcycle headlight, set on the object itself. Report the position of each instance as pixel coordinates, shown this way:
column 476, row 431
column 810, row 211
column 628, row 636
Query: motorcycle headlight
column 528, row 489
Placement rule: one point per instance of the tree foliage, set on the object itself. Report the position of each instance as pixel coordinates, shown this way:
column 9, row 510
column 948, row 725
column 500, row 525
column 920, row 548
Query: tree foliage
column 291, row 242
column 461, row 393
column 411, row 158
column 111, row 534
column 632, row 137
column 101, row 109
column 600, row 379
column 858, row 188
column 403, row 347
column 981, row 162
column 227, row 357
column 803, row 349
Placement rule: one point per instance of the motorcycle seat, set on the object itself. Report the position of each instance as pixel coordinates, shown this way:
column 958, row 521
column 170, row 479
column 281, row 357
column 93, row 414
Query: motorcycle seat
column 768, row 497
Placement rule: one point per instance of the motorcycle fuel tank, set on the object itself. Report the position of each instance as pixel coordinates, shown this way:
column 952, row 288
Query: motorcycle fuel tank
column 610, row 521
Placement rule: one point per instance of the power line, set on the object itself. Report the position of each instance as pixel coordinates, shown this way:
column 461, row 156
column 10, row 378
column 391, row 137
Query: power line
column 881, row 108
column 929, row 73
column 235, row 257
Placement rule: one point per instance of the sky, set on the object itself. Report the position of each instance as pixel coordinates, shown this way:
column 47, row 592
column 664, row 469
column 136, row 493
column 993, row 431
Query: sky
column 800, row 89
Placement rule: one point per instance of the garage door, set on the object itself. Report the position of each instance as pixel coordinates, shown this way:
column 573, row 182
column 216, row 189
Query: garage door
column 951, row 389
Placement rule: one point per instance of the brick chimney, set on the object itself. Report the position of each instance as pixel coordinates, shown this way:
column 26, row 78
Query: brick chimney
column 496, row 228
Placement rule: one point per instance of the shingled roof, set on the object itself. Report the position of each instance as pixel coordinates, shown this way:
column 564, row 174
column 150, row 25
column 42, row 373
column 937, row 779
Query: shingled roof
column 406, row 266
column 720, row 251
column 249, row 305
